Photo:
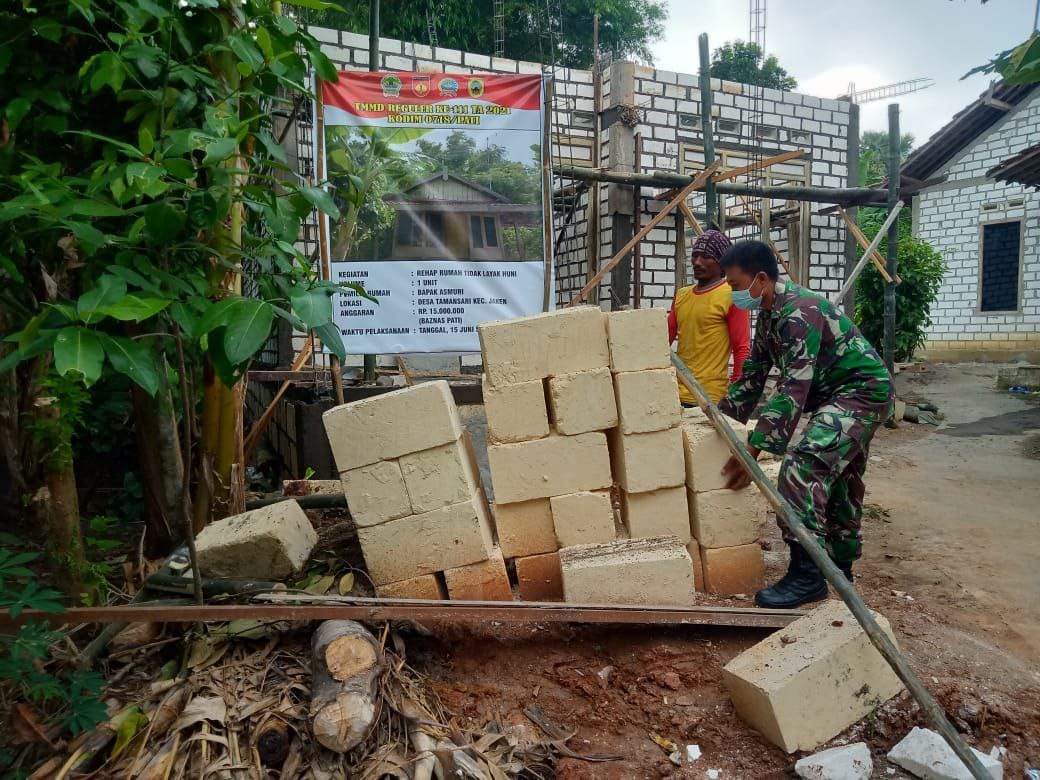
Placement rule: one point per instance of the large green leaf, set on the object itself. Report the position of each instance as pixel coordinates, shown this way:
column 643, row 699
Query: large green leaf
column 331, row 337
column 219, row 150
column 164, row 221
column 108, row 291
column 79, row 350
column 135, row 308
column 248, row 327
column 316, row 5
column 132, row 359
column 313, row 306
column 228, row 372
column 320, row 199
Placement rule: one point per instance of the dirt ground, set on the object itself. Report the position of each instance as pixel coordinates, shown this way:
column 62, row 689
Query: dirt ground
column 951, row 558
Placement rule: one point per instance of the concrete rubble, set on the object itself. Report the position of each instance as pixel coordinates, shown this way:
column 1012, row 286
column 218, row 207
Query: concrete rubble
column 925, row 754
column 848, row 762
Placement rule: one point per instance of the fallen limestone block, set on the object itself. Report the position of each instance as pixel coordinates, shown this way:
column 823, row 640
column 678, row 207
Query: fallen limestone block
column 544, row 345
column 925, row 754
column 638, row 340
column 807, row 683
column 269, row 543
column 583, row 518
column 376, row 493
column 549, row 467
column 441, row 476
column 583, row 402
column 525, row 528
column 385, row 427
column 848, row 762
column 628, row 571
column 516, row 412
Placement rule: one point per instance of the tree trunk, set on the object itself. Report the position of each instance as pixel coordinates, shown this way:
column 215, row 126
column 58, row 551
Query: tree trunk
column 161, row 467
column 346, row 661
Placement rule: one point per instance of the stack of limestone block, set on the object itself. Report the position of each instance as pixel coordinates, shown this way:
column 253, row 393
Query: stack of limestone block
column 415, row 494
column 582, row 409
column 725, row 523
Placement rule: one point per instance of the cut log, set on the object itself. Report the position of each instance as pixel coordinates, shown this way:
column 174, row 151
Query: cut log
column 345, row 664
column 272, row 742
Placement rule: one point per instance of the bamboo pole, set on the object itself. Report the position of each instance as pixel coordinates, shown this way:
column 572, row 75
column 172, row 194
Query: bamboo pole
column 253, row 439
column 759, row 165
column 875, row 256
column 893, row 236
column 706, row 130
column 697, row 182
column 684, row 207
column 846, row 196
column 871, row 250
column 832, row 574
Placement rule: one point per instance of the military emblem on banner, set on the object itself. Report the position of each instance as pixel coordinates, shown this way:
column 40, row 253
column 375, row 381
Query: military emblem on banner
column 448, row 87
column 391, row 85
column 421, row 85
column 476, row 88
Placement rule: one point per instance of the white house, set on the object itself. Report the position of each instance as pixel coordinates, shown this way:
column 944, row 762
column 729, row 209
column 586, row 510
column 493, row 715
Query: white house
column 981, row 209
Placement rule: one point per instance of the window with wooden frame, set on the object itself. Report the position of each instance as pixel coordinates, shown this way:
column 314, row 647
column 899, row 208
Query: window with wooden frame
column 1000, row 266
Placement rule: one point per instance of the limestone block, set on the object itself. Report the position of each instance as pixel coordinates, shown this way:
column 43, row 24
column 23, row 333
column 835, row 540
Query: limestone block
column 445, row 538
column 425, row 586
column 544, row 345
column 516, row 412
column 693, row 414
column 732, row 570
column 925, row 754
column 647, row 461
column 440, row 476
column 727, row 518
column 549, row 467
column 825, row 651
column 539, row 577
column 628, row 571
column 658, row 513
column 706, row 454
column 647, row 401
column 694, row 550
column 848, row 762
column 269, row 543
column 583, row 402
column 525, row 528
column 483, row 581
column 393, row 424
column 376, row 493
column 583, row 518
column 638, row 339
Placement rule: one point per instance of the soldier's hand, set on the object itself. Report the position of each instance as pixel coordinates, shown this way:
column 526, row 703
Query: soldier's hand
column 737, row 477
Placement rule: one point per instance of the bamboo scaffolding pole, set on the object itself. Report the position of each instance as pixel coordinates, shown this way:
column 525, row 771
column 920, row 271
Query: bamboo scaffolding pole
column 869, row 254
column 253, row 439
column 696, row 183
column 833, row 575
column 846, row 196
column 765, row 162
column 861, row 239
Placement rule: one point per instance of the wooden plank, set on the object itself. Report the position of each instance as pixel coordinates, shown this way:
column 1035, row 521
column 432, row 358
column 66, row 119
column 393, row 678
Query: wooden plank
column 757, row 166
column 415, row 609
column 684, row 207
column 875, row 257
column 699, row 181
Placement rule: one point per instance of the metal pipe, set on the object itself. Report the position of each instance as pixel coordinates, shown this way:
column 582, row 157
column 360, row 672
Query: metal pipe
column 833, row 575
column 706, row 132
column 845, row 196
column 851, row 281
column 893, row 236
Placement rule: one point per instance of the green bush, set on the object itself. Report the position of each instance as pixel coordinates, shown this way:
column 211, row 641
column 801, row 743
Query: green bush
column 921, row 268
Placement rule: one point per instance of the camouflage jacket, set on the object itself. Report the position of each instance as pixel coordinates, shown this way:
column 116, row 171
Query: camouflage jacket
column 822, row 359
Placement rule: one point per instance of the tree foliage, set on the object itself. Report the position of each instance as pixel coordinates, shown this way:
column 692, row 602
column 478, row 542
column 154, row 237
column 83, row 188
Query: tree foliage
column 743, row 62
column 627, row 27
column 921, row 268
column 487, row 165
column 873, row 155
column 1017, row 66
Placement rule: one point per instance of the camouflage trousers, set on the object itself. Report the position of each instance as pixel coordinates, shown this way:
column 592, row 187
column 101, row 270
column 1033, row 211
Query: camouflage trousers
column 821, row 477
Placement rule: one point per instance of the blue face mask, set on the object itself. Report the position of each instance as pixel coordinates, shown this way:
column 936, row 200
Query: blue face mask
column 743, row 299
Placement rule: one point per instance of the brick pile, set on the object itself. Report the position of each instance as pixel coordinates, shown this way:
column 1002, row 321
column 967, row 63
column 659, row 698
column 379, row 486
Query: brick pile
column 415, row 494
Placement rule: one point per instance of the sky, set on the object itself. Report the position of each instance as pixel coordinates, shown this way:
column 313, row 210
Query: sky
column 825, row 44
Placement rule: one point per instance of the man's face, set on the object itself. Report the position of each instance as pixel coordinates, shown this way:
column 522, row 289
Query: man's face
column 705, row 269
column 739, row 279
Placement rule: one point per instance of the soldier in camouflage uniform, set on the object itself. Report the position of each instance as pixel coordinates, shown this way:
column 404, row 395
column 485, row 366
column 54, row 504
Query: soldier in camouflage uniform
column 829, row 371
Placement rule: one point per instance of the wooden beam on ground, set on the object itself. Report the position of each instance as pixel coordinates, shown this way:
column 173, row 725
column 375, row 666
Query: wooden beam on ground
column 293, row 608
column 875, row 256
column 696, row 183
column 757, row 166
column 253, row 439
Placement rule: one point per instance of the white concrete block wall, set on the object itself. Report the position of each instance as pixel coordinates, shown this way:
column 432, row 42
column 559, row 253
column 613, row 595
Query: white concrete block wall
column 803, row 121
column 950, row 215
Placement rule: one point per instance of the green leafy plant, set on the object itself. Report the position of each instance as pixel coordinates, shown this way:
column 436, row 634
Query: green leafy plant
column 1017, row 66
column 921, row 268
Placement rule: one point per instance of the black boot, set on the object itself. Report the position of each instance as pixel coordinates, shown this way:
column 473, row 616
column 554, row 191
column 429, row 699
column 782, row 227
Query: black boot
column 846, row 569
column 802, row 583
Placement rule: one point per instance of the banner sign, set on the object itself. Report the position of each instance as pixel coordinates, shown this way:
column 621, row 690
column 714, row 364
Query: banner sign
column 438, row 178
